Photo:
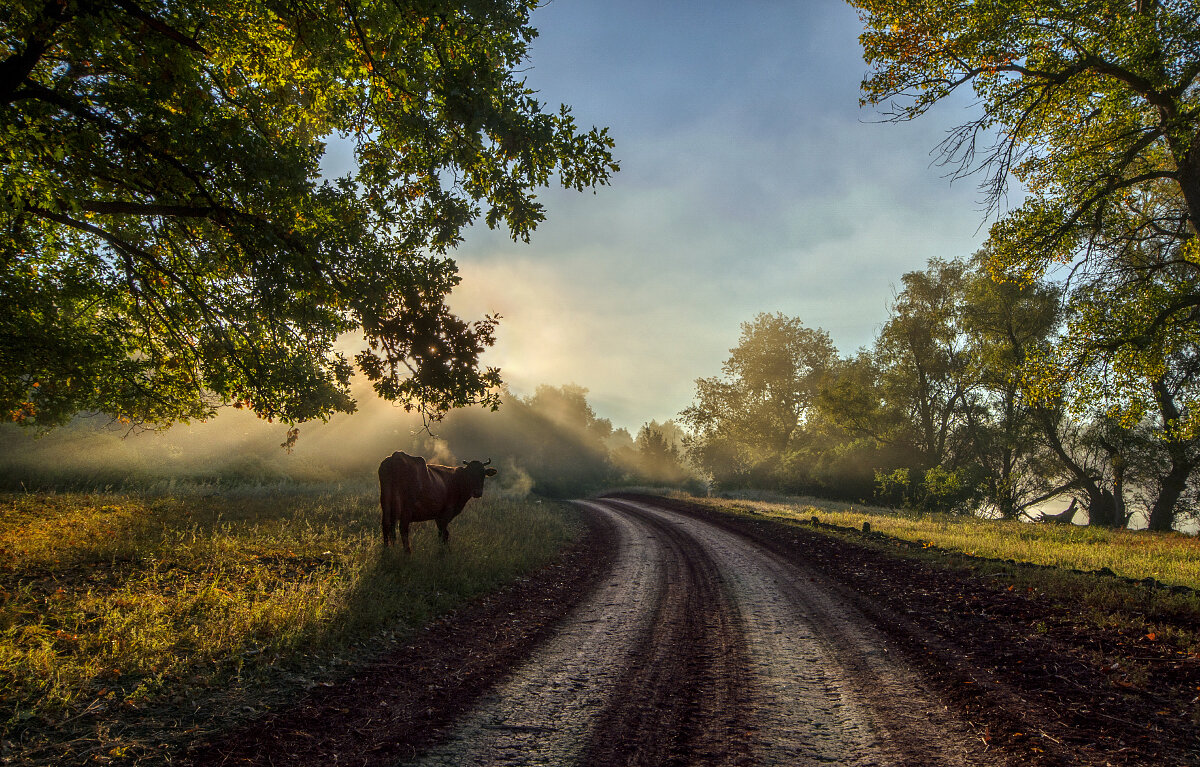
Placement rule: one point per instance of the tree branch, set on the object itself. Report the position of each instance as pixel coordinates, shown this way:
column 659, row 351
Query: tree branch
column 16, row 69
column 158, row 25
column 119, row 208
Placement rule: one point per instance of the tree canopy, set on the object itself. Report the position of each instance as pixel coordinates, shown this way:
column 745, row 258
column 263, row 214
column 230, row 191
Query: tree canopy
column 744, row 422
column 1087, row 102
column 1093, row 106
column 168, row 242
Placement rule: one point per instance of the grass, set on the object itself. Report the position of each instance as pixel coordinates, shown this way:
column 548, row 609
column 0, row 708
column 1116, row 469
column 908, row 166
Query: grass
column 1171, row 558
column 1002, row 550
column 122, row 614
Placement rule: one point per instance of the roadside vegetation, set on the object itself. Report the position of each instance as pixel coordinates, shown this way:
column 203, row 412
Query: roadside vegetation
column 1102, row 572
column 1170, row 558
column 124, row 614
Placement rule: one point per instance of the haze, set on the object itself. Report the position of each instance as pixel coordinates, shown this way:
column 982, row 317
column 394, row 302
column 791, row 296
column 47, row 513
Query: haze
column 751, row 181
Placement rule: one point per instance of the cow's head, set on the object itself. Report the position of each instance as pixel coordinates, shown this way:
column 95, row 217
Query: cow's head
column 476, row 472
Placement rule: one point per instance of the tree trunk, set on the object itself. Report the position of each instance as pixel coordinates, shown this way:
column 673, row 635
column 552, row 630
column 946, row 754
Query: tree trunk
column 1102, row 505
column 1120, row 518
column 1162, row 513
column 1102, row 508
column 17, row 66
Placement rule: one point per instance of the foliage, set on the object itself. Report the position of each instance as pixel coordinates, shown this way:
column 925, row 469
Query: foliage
column 126, row 605
column 168, row 245
column 936, row 489
column 894, row 487
column 1087, row 102
column 744, row 422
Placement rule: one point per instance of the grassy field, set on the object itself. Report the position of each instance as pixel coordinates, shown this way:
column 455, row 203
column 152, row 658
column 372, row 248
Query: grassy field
column 1171, row 558
column 122, row 615
column 985, row 547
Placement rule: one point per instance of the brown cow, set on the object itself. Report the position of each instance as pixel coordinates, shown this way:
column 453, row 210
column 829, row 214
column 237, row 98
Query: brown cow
column 411, row 490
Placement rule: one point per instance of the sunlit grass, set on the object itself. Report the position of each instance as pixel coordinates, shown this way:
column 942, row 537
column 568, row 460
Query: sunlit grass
column 986, row 547
column 116, row 604
column 1171, row 558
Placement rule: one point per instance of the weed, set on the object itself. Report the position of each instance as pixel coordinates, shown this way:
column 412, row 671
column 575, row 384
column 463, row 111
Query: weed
column 117, row 610
column 1067, row 559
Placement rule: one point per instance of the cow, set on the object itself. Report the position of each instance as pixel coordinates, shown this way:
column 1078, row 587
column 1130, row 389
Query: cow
column 411, row 490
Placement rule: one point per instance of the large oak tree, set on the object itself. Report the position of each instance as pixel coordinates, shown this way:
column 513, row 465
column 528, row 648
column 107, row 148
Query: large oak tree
column 168, row 243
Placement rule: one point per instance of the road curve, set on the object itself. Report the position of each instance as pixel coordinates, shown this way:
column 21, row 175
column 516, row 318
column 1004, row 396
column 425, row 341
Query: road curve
column 702, row 647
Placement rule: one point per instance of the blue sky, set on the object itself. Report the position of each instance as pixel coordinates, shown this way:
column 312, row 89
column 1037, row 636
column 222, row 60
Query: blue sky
column 751, row 181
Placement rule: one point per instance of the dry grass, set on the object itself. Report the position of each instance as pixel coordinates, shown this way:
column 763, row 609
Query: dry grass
column 123, row 614
column 1172, row 558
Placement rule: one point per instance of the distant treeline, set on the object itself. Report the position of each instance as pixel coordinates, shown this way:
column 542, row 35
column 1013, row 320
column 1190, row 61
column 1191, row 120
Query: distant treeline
column 551, row 443
column 557, row 439
column 978, row 396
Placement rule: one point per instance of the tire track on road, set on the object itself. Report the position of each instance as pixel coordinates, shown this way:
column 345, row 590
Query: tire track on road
column 824, row 686
column 683, row 701
column 544, row 713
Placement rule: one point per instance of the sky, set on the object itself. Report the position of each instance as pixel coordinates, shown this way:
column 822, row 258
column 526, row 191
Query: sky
column 751, row 181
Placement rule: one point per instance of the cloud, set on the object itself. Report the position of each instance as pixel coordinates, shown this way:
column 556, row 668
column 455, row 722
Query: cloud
column 639, row 289
column 751, row 181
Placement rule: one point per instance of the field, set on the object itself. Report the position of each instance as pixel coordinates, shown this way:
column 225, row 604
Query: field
column 1171, row 558
column 123, row 615
column 1070, row 563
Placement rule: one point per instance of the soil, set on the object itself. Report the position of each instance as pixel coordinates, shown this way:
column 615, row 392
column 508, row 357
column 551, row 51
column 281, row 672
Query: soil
column 675, row 635
column 405, row 700
column 1040, row 683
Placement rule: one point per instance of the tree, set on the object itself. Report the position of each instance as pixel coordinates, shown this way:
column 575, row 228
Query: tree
column 1117, row 365
column 744, row 422
column 658, row 457
column 1004, row 322
column 168, row 245
column 920, row 353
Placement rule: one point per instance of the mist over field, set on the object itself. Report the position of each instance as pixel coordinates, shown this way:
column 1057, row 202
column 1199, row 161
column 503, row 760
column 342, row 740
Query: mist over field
column 550, row 443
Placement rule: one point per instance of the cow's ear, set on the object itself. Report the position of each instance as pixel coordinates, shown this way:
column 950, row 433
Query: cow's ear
column 490, row 473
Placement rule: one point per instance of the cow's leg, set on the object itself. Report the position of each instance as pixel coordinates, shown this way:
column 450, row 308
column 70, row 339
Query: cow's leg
column 404, row 536
column 387, row 517
column 444, row 529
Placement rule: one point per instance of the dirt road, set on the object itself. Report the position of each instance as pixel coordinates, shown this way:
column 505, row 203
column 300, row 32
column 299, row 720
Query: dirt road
column 702, row 647
column 671, row 634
